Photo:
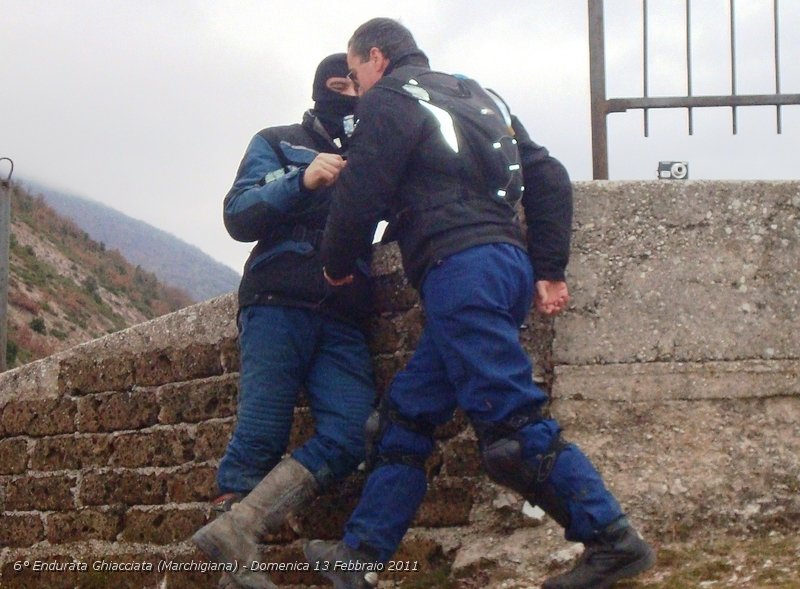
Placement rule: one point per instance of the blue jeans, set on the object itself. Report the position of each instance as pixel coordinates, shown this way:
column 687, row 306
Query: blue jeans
column 284, row 349
column 470, row 356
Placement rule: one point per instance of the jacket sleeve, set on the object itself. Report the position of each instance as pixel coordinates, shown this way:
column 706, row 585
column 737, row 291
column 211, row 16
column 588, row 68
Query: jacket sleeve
column 379, row 151
column 547, row 201
column 263, row 195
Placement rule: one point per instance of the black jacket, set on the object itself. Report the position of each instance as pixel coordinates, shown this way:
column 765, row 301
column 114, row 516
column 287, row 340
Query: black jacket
column 269, row 204
column 400, row 168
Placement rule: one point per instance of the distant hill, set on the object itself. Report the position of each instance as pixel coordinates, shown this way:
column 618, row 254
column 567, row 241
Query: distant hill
column 172, row 260
column 66, row 289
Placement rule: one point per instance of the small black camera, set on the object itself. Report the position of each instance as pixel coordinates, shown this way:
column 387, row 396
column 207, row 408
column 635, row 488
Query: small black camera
column 673, row 170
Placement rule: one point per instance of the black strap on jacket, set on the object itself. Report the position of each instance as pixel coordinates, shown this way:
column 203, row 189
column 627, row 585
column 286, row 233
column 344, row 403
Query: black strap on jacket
column 289, row 233
column 275, row 144
column 303, row 233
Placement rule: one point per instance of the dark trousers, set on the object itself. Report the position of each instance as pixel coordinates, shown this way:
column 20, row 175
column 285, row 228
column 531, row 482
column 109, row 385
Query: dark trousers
column 282, row 350
column 470, row 356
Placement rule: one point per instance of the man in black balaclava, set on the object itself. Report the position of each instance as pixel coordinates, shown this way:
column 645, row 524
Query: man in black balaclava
column 294, row 332
column 333, row 103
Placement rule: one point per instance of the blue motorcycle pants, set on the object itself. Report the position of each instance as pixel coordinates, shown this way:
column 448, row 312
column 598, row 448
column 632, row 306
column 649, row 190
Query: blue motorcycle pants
column 469, row 356
column 284, row 349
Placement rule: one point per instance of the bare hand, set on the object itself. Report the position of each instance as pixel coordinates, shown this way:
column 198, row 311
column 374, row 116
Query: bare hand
column 323, row 171
column 337, row 281
column 551, row 296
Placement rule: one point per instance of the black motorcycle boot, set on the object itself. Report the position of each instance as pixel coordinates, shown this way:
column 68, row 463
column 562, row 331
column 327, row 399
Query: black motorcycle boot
column 347, row 567
column 232, row 538
column 618, row 552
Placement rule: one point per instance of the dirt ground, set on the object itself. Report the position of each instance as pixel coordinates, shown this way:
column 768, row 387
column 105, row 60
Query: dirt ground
column 771, row 560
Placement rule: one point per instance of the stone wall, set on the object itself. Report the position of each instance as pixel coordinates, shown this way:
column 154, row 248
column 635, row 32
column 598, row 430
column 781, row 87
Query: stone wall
column 675, row 368
column 683, row 340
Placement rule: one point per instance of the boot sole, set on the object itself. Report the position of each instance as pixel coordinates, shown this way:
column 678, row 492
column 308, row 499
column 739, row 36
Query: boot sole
column 229, row 580
column 338, row 582
column 204, row 539
column 239, row 581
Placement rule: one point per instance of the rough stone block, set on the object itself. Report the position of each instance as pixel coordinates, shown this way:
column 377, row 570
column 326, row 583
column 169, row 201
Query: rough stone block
column 208, row 322
column 185, row 572
column 70, row 452
column 386, row 259
column 117, row 411
column 195, row 484
column 386, row 367
column 20, row 530
column 229, row 355
column 197, row 401
column 47, row 493
column 695, row 463
column 13, row 455
column 291, row 559
column 455, row 426
column 664, row 381
column 44, row 417
column 125, row 487
column 302, row 427
column 393, row 293
column 211, row 439
column 411, row 324
column 384, row 335
column 55, row 575
column 415, row 556
column 461, row 457
column 159, row 367
column 84, row 524
column 161, row 526
column 536, row 336
column 326, row 516
column 121, row 571
column 155, row 447
column 448, row 503
column 88, row 373
column 31, row 381
column 389, row 334
column 433, row 465
column 689, row 272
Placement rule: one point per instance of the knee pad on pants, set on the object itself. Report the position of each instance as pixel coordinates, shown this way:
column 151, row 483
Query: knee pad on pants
column 385, row 415
column 529, row 477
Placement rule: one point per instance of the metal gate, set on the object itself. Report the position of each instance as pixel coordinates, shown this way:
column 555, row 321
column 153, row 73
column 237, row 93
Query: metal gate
column 602, row 106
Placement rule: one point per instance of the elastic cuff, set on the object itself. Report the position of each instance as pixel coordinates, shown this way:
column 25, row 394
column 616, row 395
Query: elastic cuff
column 352, row 541
column 300, row 184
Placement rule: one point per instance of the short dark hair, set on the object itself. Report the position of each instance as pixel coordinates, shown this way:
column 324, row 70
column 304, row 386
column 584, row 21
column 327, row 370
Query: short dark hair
column 388, row 35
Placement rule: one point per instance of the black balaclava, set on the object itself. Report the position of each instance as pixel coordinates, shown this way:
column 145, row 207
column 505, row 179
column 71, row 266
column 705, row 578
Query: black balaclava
column 331, row 107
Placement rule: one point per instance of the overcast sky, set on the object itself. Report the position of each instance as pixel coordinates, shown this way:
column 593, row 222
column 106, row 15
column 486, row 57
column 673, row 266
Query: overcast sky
column 147, row 105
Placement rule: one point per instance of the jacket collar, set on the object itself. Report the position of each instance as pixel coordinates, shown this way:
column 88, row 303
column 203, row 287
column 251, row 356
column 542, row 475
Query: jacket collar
column 413, row 57
column 313, row 125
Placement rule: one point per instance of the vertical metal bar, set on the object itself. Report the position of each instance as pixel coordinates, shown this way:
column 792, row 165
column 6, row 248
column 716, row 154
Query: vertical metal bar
column 5, row 242
column 776, row 44
column 689, row 62
column 645, row 59
column 733, row 64
column 597, row 83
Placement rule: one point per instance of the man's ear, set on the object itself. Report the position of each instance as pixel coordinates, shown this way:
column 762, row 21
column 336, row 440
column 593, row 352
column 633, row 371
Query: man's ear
column 381, row 61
